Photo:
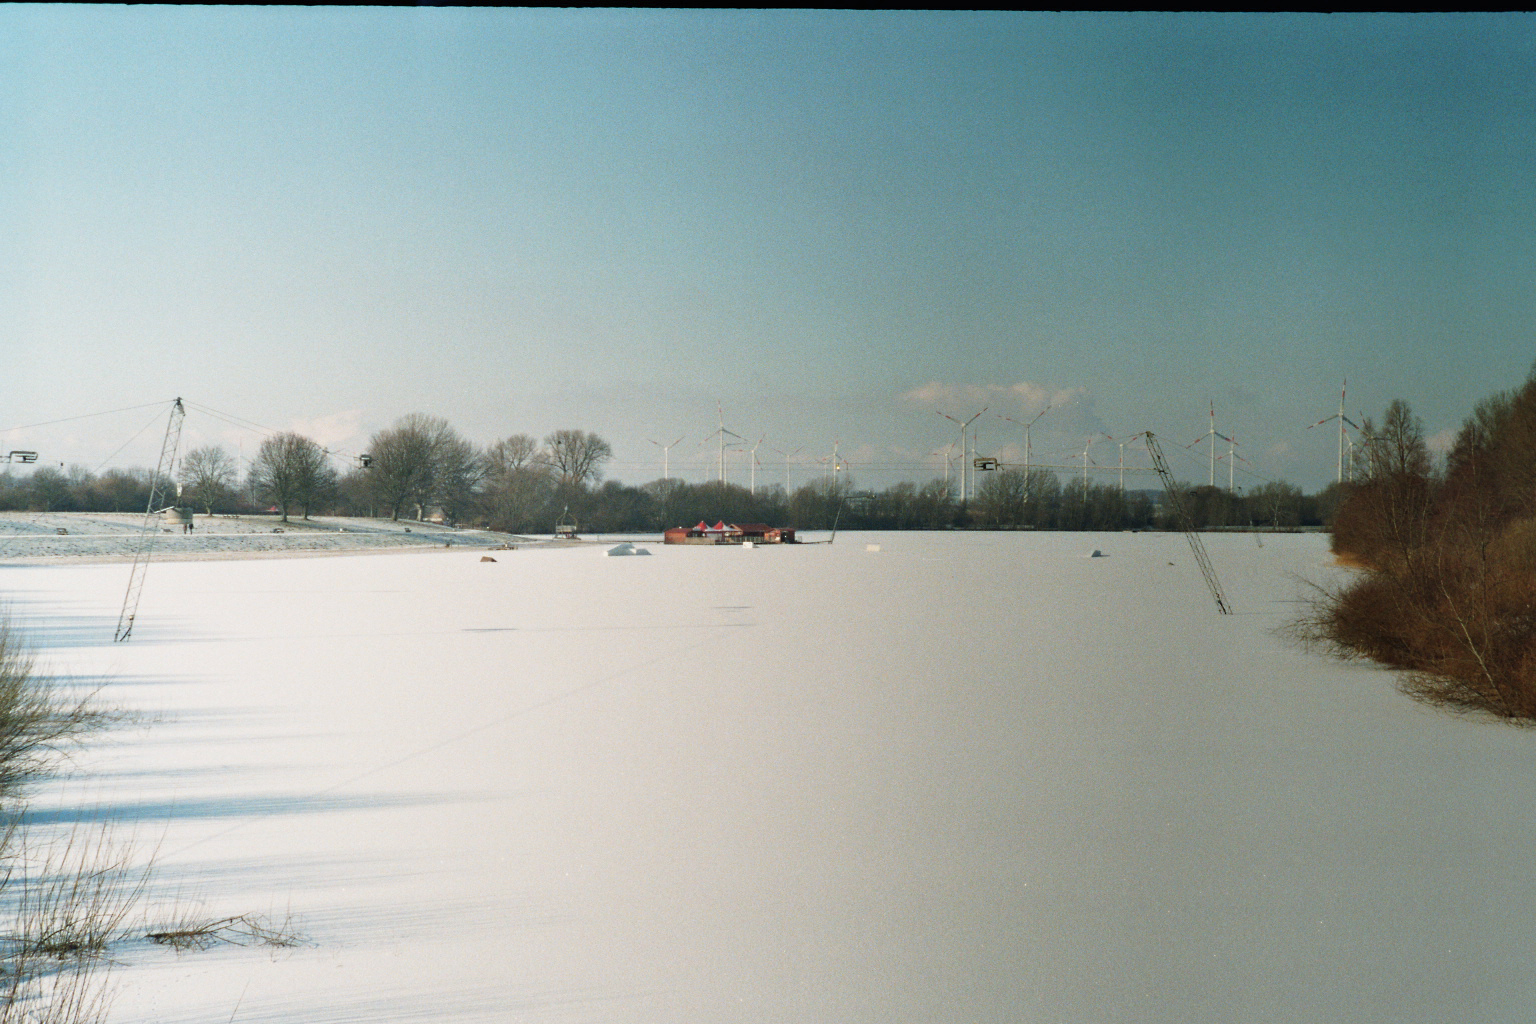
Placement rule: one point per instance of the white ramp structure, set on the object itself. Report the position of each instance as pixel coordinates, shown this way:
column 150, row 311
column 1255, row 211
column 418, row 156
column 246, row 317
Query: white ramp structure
column 150, row 531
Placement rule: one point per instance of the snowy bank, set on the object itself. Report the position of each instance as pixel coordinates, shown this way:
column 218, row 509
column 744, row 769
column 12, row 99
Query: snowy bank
column 107, row 536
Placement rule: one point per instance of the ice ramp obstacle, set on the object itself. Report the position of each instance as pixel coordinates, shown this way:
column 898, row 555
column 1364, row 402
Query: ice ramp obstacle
column 626, row 549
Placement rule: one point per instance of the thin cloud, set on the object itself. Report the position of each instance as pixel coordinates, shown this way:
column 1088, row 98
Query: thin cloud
column 1009, row 399
column 1071, row 414
column 334, row 430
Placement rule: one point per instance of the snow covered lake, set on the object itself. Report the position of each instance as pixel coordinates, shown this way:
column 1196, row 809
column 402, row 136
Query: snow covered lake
column 967, row 777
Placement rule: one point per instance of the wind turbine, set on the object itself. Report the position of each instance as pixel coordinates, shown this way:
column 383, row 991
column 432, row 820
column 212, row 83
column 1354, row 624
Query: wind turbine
column 1213, row 435
column 965, row 455
column 1026, row 426
column 825, row 462
column 1342, row 420
column 754, row 462
column 1232, row 459
column 948, row 452
column 1092, row 438
column 1122, row 445
column 666, row 452
column 722, row 433
column 787, row 456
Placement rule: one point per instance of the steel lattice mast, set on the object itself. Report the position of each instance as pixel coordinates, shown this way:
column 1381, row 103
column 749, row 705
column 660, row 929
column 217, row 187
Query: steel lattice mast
column 1188, row 527
column 151, row 530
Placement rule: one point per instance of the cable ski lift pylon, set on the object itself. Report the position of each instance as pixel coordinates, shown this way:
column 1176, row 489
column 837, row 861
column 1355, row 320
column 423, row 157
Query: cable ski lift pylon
column 151, row 530
column 1186, row 525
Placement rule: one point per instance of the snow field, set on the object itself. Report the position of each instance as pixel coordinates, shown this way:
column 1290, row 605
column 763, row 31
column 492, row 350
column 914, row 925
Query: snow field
column 966, row 777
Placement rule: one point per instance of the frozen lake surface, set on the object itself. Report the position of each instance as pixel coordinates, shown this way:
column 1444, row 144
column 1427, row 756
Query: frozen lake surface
column 976, row 777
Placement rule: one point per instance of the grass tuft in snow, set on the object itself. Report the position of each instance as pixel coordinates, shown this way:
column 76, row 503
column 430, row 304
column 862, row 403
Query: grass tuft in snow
column 188, row 934
column 39, row 721
column 61, row 906
column 64, row 905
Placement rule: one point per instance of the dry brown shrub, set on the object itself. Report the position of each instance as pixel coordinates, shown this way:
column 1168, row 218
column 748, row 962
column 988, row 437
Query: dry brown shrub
column 1459, row 616
column 1514, row 548
column 1367, row 619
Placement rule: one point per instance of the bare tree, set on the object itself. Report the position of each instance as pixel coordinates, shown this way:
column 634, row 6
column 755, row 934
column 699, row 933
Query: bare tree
column 50, row 490
column 423, row 462
column 289, row 470
column 405, row 462
column 209, row 475
column 507, row 457
column 460, row 470
column 518, row 483
column 1388, row 513
column 121, row 490
column 1398, row 448
column 1276, row 501
column 576, row 456
column 1002, row 499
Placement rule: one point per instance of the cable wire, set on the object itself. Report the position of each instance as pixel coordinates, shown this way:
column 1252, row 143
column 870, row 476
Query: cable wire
column 84, row 416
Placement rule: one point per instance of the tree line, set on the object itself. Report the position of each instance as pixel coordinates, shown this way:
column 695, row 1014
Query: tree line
column 421, row 466
column 1446, row 557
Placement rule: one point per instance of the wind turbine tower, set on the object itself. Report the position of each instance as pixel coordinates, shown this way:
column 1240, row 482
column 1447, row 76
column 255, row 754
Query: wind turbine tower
column 1026, row 426
column 722, row 433
column 754, row 461
column 788, row 489
column 1213, row 434
column 1342, row 420
column 1089, row 443
column 1232, row 459
column 965, row 455
column 666, row 452
column 948, row 453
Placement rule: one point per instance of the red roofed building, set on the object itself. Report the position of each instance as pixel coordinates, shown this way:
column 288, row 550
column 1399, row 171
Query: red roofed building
column 727, row 533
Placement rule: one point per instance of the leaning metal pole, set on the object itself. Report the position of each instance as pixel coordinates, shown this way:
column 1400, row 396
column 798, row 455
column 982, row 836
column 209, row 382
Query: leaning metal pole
column 151, row 530
column 1188, row 527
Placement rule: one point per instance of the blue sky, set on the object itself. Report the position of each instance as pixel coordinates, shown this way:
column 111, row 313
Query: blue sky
column 833, row 224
